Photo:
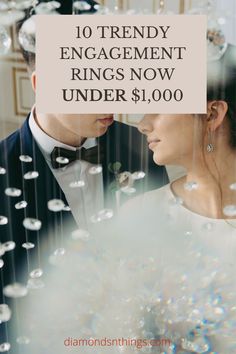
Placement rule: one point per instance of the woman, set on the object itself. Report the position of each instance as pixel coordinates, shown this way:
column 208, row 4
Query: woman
column 190, row 224
column 205, row 146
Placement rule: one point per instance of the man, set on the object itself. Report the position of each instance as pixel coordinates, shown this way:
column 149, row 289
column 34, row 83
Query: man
column 46, row 138
column 51, row 177
column 54, row 172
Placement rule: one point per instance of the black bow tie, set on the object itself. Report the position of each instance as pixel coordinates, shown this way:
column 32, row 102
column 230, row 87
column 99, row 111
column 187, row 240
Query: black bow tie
column 61, row 157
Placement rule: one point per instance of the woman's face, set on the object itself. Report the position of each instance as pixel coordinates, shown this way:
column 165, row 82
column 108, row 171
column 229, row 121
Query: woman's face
column 171, row 137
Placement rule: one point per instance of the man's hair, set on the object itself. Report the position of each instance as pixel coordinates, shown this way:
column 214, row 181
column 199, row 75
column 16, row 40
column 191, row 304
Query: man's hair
column 29, row 58
column 65, row 9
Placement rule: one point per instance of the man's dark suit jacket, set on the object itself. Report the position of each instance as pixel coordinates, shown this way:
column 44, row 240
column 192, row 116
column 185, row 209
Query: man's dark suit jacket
column 121, row 143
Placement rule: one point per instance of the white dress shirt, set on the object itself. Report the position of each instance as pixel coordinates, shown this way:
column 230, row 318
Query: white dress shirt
column 84, row 201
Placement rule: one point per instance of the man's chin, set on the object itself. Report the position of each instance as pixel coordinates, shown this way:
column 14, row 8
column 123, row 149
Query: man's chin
column 101, row 131
column 103, row 127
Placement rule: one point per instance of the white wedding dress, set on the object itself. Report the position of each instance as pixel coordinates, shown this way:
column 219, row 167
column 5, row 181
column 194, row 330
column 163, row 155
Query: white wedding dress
column 160, row 208
column 159, row 271
column 197, row 257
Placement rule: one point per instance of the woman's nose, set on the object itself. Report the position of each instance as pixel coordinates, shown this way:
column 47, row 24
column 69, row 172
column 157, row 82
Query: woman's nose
column 145, row 125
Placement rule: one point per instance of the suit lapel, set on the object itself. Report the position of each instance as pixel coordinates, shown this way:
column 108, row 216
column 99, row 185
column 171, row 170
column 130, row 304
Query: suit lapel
column 39, row 191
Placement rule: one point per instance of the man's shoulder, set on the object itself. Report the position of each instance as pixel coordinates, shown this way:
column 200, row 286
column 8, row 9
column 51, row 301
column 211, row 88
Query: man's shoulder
column 10, row 145
column 124, row 131
column 123, row 126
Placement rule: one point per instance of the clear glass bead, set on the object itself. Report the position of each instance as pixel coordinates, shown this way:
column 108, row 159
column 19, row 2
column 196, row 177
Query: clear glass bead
column 2, row 171
column 28, row 245
column 102, row 215
column 229, row 210
column 58, row 257
column 32, row 224
column 5, row 347
column 56, row 205
column 5, row 313
column 3, row 220
column 138, row 175
column 232, row 186
column 25, row 158
column 59, row 252
column 62, row 160
column 9, row 246
column 13, row 192
column 81, row 6
column 95, row 170
column 31, row 175
column 77, row 184
column 21, row 205
column 15, row 290
column 190, row 186
column 36, row 273
column 2, row 250
column 198, row 345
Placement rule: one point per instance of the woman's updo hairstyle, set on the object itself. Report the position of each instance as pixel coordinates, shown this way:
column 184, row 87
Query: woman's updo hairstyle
column 222, row 86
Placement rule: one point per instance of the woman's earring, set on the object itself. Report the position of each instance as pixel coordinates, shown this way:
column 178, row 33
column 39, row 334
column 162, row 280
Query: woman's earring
column 210, row 146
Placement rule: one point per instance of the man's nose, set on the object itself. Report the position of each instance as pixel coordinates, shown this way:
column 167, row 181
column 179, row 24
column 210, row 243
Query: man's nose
column 145, row 125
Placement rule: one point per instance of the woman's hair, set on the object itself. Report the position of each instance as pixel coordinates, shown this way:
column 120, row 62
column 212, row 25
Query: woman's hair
column 222, row 86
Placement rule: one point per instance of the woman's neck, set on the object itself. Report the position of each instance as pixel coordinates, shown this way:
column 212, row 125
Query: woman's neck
column 210, row 192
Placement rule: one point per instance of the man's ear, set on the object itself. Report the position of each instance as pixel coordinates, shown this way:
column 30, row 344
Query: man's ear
column 216, row 112
column 33, row 81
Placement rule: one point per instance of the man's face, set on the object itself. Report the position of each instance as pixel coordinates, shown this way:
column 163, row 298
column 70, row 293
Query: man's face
column 81, row 125
column 84, row 125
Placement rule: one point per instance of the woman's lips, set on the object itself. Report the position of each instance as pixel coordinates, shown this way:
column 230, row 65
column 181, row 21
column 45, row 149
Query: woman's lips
column 153, row 144
column 106, row 121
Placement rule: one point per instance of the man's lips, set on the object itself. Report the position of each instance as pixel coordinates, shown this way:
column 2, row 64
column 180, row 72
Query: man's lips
column 106, row 121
